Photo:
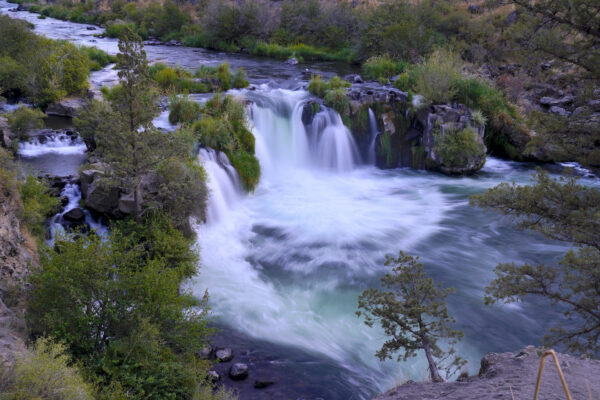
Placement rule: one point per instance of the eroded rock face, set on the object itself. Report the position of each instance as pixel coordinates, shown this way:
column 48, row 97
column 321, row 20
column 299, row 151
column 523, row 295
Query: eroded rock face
column 6, row 135
column 409, row 134
column 510, row 375
column 67, row 107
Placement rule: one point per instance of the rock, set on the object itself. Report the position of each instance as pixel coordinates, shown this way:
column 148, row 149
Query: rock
column 353, row 78
column 594, row 105
column 213, row 376
column 102, row 198
column 512, row 18
column 307, row 74
column 309, row 110
column 126, row 204
column 261, row 384
column 205, row 352
column 91, row 28
column 224, row 354
column 6, row 134
column 510, row 375
column 559, row 111
column 74, row 215
column 238, row 371
column 67, row 107
column 551, row 101
column 474, row 9
column 292, row 61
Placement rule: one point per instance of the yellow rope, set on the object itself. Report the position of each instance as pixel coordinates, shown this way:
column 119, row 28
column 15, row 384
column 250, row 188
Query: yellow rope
column 560, row 373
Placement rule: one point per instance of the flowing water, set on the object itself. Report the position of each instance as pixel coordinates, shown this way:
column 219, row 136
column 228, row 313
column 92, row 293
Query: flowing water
column 284, row 265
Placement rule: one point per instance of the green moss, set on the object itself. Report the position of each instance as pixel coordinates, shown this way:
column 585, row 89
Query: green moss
column 386, row 150
column 248, row 169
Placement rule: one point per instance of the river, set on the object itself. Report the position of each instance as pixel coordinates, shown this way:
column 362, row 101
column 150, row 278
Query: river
column 284, row 266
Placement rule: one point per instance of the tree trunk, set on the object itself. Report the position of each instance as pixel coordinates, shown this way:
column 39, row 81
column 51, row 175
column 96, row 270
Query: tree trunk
column 433, row 371
column 137, row 198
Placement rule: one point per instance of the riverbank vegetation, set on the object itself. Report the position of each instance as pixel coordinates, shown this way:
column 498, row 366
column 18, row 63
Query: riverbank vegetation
column 42, row 70
column 206, row 79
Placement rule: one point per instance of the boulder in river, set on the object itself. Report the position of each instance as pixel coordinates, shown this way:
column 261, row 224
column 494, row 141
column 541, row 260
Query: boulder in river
column 238, row 371
column 262, row 383
column 224, row 354
column 67, row 107
column 74, row 215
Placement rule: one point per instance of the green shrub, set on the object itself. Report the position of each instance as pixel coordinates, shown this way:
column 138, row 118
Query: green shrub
column 338, row 100
column 183, row 110
column 238, row 80
column 44, row 372
column 383, row 67
column 317, row 86
column 38, row 205
column 478, row 118
column 25, row 119
column 436, row 77
column 457, row 148
column 114, row 30
column 248, row 169
column 98, row 58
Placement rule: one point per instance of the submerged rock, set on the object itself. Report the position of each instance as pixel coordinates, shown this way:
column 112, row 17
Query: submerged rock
column 262, row 384
column 74, row 215
column 238, row 371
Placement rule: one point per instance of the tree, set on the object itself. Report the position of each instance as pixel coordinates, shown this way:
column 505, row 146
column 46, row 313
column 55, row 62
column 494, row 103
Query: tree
column 413, row 312
column 568, row 30
column 126, row 138
column 560, row 209
column 25, row 119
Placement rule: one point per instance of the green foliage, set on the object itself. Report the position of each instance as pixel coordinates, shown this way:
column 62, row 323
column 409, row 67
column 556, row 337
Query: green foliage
column 435, row 78
column 248, row 169
column 412, row 311
column 560, row 209
column 44, row 372
column 132, row 326
column 221, row 79
column 183, row 110
column 223, row 127
column 337, row 99
column 378, row 67
column 38, row 205
column 98, row 58
column 39, row 69
column 25, row 119
column 300, row 51
column 478, row 118
column 457, row 148
column 317, row 86
column 115, row 30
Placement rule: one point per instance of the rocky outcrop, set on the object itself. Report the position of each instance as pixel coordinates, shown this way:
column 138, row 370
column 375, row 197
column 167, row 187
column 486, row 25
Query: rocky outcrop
column 511, row 375
column 409, row 134
column 105, row 196
column 6, row 134
column 67, row 107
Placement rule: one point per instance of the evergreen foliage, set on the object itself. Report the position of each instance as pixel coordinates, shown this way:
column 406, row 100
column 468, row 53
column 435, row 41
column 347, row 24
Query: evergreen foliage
column 560, row 209
column 412, row 311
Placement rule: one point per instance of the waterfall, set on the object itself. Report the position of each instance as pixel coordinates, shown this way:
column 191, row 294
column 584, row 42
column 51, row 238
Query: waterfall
column 283, row 142
column 223, row 183
column 335, row 149
column 60, row 143
column 373, row 131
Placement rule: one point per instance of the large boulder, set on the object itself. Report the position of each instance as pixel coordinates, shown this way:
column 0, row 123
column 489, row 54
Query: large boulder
column 67, row 107
column 238, row 371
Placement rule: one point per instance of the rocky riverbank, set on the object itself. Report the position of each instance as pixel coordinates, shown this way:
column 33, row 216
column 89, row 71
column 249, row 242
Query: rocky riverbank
column 511, row 376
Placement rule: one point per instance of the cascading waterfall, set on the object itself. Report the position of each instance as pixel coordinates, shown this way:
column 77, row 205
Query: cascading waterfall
column 373, row 131
column 335, row 148
column 61, row 143
column 223, row 183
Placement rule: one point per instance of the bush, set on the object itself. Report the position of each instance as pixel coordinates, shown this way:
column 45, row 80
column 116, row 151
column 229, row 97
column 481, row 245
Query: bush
column 248, row 169
column 379, row 67
column 436, row 77
column 38, row 205
column 338, row 100
column 317, row 86
column 98, row 58
column 183, row 110
column 114, row 30
column 25, row 119
column 238, row 81
column 457, row 148
column 44, row 372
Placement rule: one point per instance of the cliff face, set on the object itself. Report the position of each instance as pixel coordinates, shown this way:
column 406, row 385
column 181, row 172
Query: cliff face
column 18, row 251
column 511, row 376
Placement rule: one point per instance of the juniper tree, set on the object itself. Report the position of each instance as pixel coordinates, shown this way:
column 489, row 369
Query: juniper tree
column 412, row 311
column 123, row 131
column 564, row 210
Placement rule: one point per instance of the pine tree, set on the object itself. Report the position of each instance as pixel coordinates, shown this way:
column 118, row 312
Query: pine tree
column 412, row 310
column 560, row 209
